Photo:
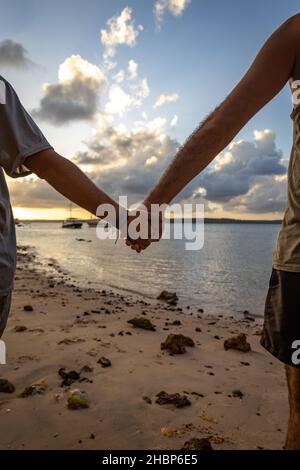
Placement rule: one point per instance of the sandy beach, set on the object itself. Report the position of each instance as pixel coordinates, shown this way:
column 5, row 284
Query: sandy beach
column 237, row 400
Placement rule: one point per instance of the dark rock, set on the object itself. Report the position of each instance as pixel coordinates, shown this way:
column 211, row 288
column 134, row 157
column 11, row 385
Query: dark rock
column 86, row 380
column 147, row 400
column 238, row 343
column 176, row 344
column 197, row 394
column 68, row 377
column 237, row 394
column 20, row 329
column 69, row 341
column 6, row 386
column 34, row 389
column 179, row 401
column 104, row 362
column 197, row 444
column 168, row 297
column 142, row 323
column 28, row 308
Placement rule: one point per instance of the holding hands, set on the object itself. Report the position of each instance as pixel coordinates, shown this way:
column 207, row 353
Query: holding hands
column 142, row 227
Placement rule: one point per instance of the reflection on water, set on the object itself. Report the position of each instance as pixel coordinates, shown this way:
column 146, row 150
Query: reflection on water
column 229, row 275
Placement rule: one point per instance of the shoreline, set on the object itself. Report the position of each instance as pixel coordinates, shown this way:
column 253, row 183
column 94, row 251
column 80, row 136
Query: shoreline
column 71, row 280
column 76, row 281
column 73, row 328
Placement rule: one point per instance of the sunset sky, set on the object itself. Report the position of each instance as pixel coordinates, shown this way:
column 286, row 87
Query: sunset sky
column 117, row 86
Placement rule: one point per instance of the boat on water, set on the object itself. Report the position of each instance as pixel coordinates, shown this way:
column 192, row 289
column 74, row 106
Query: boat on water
column 93, row 222
column 72, row 223
column 97, row 223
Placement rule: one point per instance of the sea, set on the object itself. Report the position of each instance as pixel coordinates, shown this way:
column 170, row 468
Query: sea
column 228, row 275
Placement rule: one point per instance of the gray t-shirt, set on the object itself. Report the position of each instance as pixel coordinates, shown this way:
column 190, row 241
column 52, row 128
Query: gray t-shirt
column 20, row 137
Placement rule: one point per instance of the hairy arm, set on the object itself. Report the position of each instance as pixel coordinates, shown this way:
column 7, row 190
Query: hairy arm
column 69, row 180
column 268, row 74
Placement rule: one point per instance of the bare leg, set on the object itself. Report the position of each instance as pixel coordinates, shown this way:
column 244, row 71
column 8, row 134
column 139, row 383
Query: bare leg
column 293, row 435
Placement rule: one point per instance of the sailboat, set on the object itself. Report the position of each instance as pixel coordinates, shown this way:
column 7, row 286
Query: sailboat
column 71, row 222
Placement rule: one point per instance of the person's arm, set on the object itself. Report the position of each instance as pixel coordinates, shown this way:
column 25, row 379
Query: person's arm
column 69, row 180
column 268, row 74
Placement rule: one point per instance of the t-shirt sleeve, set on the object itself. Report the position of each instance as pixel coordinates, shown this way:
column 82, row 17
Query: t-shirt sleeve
column 20, row 136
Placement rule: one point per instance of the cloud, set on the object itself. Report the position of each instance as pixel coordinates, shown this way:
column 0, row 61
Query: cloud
column 165, row 99
column 268, row 194
column 119, row 77
column 13, row 54
column 156, row 125
column 143, row 90
column 132, row 70
column 132, row 73
column 248, row 177
column 129, row 162
column 76, row 96
column 175, row 7
column 121, row 101
column 121, row 30
column 174, row 121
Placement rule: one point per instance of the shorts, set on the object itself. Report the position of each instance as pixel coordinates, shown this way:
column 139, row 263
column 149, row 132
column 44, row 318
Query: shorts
column 281, row 330
column 5, row 303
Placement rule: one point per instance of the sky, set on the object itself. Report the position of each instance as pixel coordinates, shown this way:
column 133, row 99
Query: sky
column 117, row 86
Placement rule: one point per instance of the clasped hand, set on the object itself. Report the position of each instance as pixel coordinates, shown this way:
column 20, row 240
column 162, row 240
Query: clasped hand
column 142, row 227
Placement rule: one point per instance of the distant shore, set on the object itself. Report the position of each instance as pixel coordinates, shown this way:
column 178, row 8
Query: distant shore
column 206, row 220
column 237, row 400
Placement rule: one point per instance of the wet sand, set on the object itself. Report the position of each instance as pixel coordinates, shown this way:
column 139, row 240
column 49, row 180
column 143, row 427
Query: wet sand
column 73, row 328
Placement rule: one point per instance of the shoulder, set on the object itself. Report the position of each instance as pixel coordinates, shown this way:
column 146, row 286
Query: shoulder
column 291, row 32
column 291, row 26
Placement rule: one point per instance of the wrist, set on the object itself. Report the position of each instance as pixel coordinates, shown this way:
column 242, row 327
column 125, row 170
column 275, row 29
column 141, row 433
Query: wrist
column 148, row 203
